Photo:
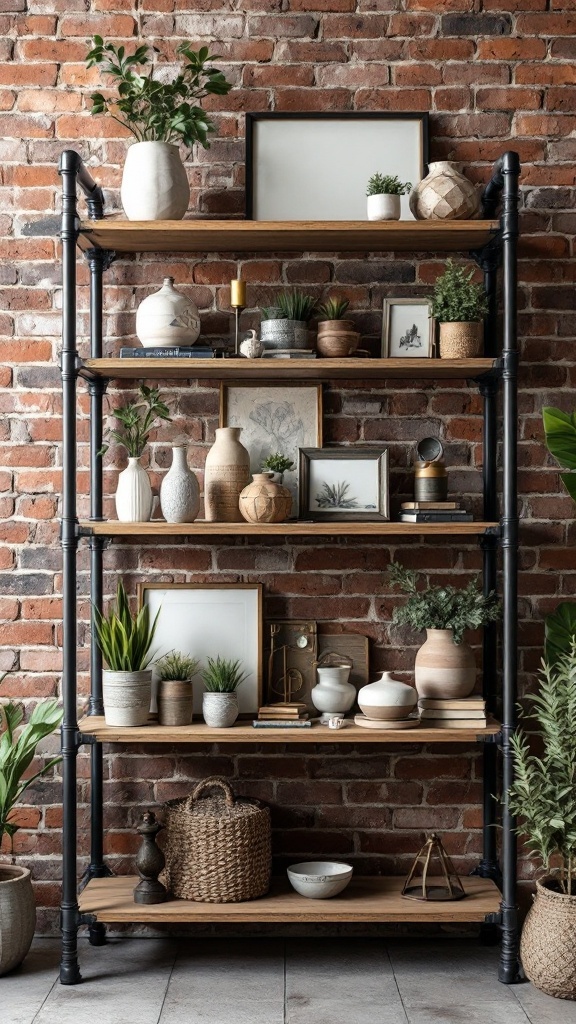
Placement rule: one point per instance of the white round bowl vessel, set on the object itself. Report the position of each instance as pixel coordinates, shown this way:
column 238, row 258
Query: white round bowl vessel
column 319, row 879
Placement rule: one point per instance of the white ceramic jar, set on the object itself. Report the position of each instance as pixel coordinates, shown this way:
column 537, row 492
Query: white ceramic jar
column 154, row 182
column 384, row 207
column 387, row 699
column 133, row 494
column 333, row 694
column 167, row 318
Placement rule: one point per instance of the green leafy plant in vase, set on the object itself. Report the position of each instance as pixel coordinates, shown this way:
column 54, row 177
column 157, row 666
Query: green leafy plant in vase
column 384, row 192
column 175, row 697
column 136, row 421
column 222, row 677
column 445, row 665
column 161, row 110
column 336, row 335
column 18, row 747
column 277, row 464
column 285, row 323
column 459, row 305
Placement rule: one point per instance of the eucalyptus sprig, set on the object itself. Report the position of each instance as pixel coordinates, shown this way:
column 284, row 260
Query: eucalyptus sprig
column 223, row 675
column 387, row 185
column 446, row 607
column 154, row 110
column 176, row 665
column 125, row 639
column 456, row 299
column 137, row 419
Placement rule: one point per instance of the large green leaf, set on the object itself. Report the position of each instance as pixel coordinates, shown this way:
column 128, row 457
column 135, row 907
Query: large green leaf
column 560, row 632
column 560, row 432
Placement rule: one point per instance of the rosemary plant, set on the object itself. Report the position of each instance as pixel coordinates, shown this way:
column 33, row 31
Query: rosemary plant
column 177, row 666
column 137, row 419
column 387, row 185
column 446, row 607
column 333, row 309
column 456, row 299
column 125, row 639
column 277, row 463
column 223, row 675
column 292, row 305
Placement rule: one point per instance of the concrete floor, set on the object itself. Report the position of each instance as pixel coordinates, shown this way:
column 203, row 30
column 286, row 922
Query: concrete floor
column 297, row 981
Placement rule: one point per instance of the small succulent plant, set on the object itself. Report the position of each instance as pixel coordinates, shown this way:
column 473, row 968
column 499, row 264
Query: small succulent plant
column 277, row 463
column 292, row 305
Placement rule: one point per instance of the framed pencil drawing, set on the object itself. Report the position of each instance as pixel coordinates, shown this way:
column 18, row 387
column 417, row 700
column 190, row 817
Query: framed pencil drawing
column 407, row 329
column 349, row 484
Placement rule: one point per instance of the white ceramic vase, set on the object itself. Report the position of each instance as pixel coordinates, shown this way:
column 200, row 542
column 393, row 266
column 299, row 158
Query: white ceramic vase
column 154, row 183
column 333, row 694
column 383, row 207
column 227, row 473
column 444, row 669
column 220, row 710
column 17, row 916
column 387, row 698
column 127, row 697
column 444, row 194
column 180, row 490
column 167, row 318
column 133, row 494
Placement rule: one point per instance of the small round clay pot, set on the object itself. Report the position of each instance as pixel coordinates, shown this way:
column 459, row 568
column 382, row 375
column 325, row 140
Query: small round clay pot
column 336, row 339
column 264, row 501
column 461, row 340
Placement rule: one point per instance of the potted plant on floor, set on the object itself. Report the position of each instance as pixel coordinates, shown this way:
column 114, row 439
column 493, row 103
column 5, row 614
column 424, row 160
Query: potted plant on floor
column 459, row 306
column 336, row 336
column 543, row 795
column 136, row 418
column 221, row 678
column 161, row 111
column 175, row 697
column 125, row 641
column 285, row 324
column 17, row 904
column 445, row 666
column 384, row 192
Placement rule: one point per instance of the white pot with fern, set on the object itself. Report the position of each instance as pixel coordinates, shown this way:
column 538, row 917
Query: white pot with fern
column 384, row 192
column 285, row 324
column 222, row 677
column 125, row 640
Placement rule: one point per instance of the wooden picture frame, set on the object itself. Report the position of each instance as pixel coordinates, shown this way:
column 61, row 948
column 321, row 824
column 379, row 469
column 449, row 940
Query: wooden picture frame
column 191, row 620
column 396, row 345
column 320, row 475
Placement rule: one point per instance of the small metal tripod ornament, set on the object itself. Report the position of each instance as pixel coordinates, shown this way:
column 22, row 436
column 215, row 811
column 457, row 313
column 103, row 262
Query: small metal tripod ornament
column 434, row 867
column 150, row 861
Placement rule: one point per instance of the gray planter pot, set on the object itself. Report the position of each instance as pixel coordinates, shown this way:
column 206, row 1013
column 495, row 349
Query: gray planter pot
column 285, row 334
column 127, row 697
column 220, row 710
column 17, row 915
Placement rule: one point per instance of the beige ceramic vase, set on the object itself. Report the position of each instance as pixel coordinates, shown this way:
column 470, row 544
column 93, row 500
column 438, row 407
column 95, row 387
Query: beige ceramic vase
column 548, row 943
column 443, row 669
column 461, row 340
column 444, row 194
column 227, row 473
column 17, row 916
column 264, row 501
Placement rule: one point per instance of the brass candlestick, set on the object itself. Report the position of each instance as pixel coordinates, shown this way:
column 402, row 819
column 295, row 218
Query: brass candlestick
column 238, row 303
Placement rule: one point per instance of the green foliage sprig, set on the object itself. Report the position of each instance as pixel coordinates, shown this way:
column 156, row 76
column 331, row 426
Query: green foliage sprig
column 223, row 675
column 292, row 305
column 387, row 185
column 277, row 463
column 125, row 639
column 153, row 110
column 446, row 607
column 559, row 632
column 17, row 752
column 543, row 793
column 176, row 665
column 560, row 434
column 333, row 309
column 456, row 299
column 137, row 419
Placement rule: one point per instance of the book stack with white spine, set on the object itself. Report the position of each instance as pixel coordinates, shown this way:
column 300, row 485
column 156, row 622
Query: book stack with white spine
column 457, row 713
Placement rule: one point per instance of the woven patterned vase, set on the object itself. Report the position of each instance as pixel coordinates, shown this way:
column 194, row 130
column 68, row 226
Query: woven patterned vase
column 17, row 916
column 444, row 194
column 548, row 943
column 461, row 340
column 264, row 501
column 175, row 702
column 227, row 473
column 126, row 697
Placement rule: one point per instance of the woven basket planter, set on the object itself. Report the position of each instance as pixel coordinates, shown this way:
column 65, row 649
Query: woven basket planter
column 461, row 340
column 17, row 916
column 548, row 944
column 218, row 848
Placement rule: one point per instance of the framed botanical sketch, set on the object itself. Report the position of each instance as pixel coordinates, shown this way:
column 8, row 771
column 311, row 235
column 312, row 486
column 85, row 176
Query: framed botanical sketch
column 349, row 484
column 274, row 418
column 209, row 619
column 407, row 329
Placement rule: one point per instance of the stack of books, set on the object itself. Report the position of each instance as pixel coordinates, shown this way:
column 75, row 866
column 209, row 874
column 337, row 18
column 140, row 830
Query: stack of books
column 463, row 713
column 434, row 512
column 282, row 716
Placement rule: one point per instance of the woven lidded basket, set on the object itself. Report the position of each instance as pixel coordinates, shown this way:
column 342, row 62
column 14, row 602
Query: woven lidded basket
column 548, row 944
column 218, row 848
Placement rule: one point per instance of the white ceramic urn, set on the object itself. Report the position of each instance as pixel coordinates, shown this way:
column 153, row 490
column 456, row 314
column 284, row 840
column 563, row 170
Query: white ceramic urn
column 167, row 318
column 387, row 699
column 383, row 207
column 154, row 183
column 333, row 694
column 134, row 494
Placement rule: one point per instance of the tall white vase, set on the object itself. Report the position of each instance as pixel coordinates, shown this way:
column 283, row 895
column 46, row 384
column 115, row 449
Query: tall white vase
column 180, row 490
column 133, row 494
column 154, row 183
column 227, row 473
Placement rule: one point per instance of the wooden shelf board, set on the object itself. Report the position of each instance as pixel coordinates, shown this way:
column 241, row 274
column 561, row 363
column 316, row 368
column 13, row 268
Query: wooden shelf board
column 243, row 732
column 287, row 369
column 365, row 899
column 112, row 528
column 202, row 236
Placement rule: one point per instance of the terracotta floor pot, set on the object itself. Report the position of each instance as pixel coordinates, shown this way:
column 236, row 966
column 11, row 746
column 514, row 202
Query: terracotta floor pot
column 461, row 340
column 548, row 943
column 17, row 915
column 443, row 669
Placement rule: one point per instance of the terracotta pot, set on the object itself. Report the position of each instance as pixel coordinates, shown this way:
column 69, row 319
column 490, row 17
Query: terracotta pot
column 180, row 490
column 384, row 207
column 444, row 194
column 154, row 183
column 220, row 710
column 17, row 915
column 548, row 943
column 461, row 340
column 175, row 702
column 226, row 475
column 127, row 697
column 444, row 669
column 336, row 339
column 264, row 501
column 167, row 318
column 133, row 494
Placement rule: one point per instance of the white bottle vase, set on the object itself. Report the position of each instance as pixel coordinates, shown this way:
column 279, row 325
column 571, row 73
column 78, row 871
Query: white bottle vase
column 180, row 490
column 444, row 669
column 154, row 183
column 166, row 318
column 387, row 698
column 133, row 494
column 227, row 473
column 333, row 694
column 383, row 207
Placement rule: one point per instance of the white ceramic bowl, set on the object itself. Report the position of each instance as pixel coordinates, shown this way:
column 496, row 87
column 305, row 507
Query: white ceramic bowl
column 319, row 879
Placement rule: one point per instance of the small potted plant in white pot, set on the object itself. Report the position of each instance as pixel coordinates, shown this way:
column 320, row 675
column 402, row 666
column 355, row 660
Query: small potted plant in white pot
column 277, row 464
column 136, row 418
column 336, row 336
column 384, row 192
column 175, row 672
column 222, row 677
column 161, row 111
column 125, row 641
column 285, row 324
column 17, row 750
column 459, row 305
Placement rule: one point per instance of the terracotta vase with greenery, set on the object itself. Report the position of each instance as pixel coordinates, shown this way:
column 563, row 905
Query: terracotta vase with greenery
column 336, row 336
column 459, row 305
column 175, row 695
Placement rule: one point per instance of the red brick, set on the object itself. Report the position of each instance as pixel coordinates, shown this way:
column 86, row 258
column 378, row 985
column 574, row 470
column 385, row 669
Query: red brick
column 28, row 74
column 508, row 99
column 510, row 48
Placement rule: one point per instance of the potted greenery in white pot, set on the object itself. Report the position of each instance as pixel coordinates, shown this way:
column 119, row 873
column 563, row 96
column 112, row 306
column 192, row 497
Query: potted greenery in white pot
column 17, row 750
column 222, row 677
column 125, row 641
column 384, row 192
column 285, row 324
column 136, row 418
column 277, row 464
column 161, row 111
column 445, row 665
column 459, row 306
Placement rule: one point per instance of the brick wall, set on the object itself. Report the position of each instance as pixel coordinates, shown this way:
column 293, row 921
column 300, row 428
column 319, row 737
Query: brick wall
column 493, row 74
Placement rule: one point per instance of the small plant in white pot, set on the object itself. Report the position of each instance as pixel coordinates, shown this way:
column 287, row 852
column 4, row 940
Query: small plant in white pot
column 161, row 111
column 175, row 672
column 136, row 419
column 221, row 678
column 285, row 324
column 384, row 192
column 459, row 306
column 125, row 641
column 277, row 464
column 336, row 336
column 17, row 750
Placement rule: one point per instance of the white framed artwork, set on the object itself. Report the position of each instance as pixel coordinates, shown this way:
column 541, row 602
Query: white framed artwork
column 349, row 484
column 407, row 329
